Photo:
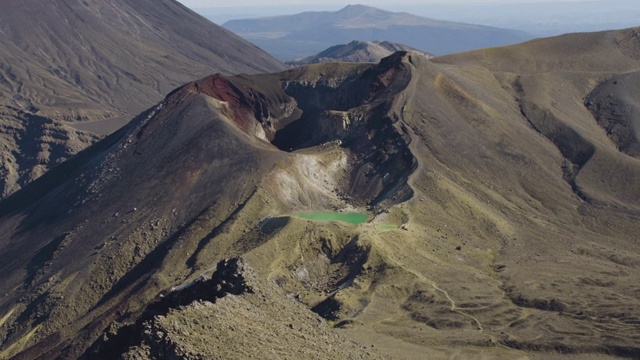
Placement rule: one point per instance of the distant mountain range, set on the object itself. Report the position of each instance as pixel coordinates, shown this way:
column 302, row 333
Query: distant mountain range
column 356, row 51
column 301, row 35
column 72, row 66
column 540, row 18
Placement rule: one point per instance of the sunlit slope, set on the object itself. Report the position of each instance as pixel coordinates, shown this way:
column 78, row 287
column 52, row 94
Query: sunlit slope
column 503, row 215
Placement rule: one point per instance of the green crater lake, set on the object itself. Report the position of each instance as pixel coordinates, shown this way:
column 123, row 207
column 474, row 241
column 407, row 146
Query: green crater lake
column 348, row 217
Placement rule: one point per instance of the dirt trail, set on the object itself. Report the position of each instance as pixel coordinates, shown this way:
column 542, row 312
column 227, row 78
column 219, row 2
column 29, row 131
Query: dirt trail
column 395, row 261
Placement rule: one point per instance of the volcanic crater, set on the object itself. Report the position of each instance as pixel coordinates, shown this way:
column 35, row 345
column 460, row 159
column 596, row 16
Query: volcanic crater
column 505, row 227
column 294, row 112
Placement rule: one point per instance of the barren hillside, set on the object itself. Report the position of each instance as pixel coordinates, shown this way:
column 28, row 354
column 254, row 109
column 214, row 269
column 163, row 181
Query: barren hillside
column 503, row 214
column 75, row 69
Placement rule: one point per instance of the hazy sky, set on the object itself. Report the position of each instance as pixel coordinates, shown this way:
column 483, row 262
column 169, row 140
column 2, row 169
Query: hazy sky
column 385, row 3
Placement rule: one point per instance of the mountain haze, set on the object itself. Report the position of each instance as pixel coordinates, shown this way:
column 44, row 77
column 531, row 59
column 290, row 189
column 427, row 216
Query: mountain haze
column 502, row 199
column 296, row 36
column 355, row 51
column 100, row 62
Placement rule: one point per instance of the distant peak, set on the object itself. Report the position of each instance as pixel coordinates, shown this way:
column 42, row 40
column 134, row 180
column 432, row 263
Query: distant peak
column 357, row 8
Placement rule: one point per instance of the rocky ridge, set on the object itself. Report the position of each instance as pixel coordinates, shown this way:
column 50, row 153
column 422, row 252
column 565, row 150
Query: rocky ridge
column 227, row 314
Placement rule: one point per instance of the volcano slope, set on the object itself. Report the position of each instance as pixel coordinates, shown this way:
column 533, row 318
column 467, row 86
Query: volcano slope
column 71, row 69
column 504, row 214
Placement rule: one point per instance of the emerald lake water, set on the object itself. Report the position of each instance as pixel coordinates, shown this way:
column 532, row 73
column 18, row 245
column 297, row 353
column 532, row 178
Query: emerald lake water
column 348, row 217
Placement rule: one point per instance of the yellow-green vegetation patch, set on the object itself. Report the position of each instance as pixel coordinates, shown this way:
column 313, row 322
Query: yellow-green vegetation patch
column 348, row 217
column 388, row 227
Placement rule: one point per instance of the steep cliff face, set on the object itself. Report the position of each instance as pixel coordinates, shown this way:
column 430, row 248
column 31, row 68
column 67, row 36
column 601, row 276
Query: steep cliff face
column 615, row 107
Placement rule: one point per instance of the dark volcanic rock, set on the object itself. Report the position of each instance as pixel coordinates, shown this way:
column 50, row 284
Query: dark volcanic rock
column 614, row 105
column 217, row 318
